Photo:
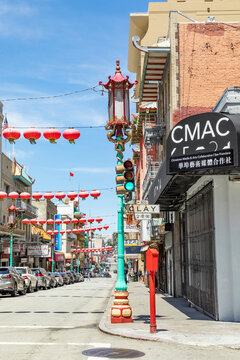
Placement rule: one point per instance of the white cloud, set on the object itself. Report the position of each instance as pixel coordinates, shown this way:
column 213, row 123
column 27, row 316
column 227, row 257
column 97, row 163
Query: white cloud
column 89, row 170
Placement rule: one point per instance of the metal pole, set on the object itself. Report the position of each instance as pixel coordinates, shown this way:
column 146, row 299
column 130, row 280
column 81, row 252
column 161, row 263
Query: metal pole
column 153, row 326
column 78, row 261
column 121, row 283
column 52, row 258
column 72, row 262
column 11, row 248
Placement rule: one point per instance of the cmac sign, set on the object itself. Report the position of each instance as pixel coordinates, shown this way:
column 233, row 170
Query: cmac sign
column 203, row 142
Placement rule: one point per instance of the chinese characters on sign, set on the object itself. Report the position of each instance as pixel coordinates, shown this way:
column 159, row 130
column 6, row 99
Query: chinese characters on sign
column 202, row 161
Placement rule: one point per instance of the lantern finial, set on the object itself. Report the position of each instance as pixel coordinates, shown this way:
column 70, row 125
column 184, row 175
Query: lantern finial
column 118, row 67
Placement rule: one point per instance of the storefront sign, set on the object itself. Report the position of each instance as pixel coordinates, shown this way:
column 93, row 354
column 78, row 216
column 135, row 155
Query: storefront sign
column 16, row 248
column 153, row 209
column 202, row 142
column 143, row 216
column 39, row 250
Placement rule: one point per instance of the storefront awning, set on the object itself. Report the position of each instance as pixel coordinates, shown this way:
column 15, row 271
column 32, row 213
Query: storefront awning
column 57, row 257
column 203, row 144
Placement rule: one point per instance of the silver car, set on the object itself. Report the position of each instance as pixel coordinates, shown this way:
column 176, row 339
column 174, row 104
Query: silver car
column 59, row 278
column 43, row 278
column 30, row 279
column 11, row 282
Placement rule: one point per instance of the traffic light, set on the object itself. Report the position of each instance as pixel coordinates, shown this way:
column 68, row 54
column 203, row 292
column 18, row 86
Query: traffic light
column 125, row 177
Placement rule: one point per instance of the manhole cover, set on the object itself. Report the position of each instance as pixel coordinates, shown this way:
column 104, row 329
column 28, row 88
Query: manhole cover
column 113, row 353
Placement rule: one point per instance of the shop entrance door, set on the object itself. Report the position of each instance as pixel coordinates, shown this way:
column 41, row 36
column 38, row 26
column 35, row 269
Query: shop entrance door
column 200, row 242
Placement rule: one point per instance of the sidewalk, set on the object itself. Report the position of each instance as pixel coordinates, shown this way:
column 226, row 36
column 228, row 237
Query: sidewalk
column 176, row 322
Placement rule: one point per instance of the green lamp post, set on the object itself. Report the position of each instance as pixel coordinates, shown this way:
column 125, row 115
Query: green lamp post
column 11, row 223
column 72, row 251
column 119, row 126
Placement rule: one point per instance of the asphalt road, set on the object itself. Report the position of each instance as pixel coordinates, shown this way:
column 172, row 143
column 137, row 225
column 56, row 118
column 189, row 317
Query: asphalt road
column 61, row 323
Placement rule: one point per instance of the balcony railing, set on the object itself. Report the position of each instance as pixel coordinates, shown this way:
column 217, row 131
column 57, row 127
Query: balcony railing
column 154, row 134
column 28, row 208
column 149, row 177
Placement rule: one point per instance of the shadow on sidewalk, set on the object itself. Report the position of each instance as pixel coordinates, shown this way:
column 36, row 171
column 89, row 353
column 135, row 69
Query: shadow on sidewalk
column 145, row 318
column 183, row 306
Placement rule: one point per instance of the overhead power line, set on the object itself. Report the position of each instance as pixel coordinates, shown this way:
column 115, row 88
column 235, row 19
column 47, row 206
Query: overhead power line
column 53, row 96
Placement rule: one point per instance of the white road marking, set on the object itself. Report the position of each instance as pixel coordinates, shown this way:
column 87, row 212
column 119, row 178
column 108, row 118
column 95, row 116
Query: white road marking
column 107, row 345
column 36, row 327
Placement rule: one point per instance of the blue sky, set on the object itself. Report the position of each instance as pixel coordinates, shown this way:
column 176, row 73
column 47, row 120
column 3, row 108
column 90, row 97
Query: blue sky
column 51, row 47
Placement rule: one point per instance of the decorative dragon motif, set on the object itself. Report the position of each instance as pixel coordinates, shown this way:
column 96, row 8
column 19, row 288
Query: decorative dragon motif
column 117, row 131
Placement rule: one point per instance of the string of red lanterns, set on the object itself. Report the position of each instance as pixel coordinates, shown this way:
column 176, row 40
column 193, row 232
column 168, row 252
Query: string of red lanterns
column 32, row 134
column 60, row 195
column 90, row 250
column 66, row 222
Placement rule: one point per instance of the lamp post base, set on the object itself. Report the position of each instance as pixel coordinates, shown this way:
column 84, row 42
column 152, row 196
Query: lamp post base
column 121, row 311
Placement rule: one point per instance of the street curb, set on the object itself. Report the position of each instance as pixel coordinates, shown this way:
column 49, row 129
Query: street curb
column 125, row 334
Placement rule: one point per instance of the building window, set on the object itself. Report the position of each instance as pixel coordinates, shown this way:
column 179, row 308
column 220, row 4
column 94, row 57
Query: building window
column 6, row 188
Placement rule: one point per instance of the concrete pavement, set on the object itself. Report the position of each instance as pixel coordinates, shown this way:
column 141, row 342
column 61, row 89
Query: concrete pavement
column 176, row 322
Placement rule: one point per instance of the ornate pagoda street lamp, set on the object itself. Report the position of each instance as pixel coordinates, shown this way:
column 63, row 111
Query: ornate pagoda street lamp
column 11, row 223
column 119, row 126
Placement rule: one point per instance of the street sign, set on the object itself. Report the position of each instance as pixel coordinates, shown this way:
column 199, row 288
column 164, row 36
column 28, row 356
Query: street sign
column 142, row 216
column 153, row 209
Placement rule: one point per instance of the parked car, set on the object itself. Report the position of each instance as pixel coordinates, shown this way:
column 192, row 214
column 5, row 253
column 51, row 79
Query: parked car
column 30, row 279
column 59, row 279
column 11, row 282
column 107, row 274
column 81, row 277
column 43, row 278
column 72, row 279
column 53, row 281
column 66, row 278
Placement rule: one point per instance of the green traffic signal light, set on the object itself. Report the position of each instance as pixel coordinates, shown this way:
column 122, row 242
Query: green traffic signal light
column 129, row 186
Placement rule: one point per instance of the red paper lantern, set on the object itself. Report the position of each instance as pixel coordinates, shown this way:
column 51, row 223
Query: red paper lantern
column 71, row 135
column 50, row 221
column 68, row 231
column 48, row 195
column 95, row 194
column 42, row 222
column 33, row 221
column 52, row 135
column 83, row 194
column 90, row 220
column 49, row 232
column 98, row 219
column 62, row 232
column 75, row 221
column 99, row 228
column 13, row 195
column 87, row 229
column 94, row 229
column 11, row 134
column 72, row 195
column 3, row 195
column 82, row 220
column 58, row 221
column 26, row 221
column 66, row 221
column 37, row 196
column 55, row 232
column 32, row 134
column 25, row 195
column 75, row 231
column 60, row 195
column 81, row 230
column 106, row 227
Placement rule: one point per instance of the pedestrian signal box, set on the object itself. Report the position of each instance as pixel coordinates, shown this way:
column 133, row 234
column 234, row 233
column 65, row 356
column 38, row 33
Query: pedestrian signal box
column 152, row 260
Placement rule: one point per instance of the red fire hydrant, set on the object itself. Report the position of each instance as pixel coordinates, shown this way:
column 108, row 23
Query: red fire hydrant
column 152, row 266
